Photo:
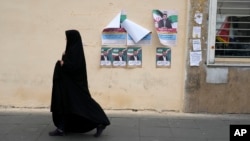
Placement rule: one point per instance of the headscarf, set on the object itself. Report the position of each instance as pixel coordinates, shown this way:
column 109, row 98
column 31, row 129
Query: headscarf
column 74, row 59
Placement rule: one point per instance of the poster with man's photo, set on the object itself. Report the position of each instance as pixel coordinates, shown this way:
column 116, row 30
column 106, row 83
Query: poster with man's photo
column 119, row 57
column 165, row 22
column 163, row 57
column 106, row 57
column 134, row 56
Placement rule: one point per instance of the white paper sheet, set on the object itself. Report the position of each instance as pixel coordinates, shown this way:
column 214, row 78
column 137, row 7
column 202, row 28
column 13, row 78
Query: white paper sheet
column 115, row 23
column 196, row 32
column 146, row 41
column 196, row 44
column 136, row 31
column 198, row 17
column 195, row 58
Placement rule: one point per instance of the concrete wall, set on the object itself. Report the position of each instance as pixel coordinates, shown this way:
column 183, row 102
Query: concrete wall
column 32, row 39
column 214, row 89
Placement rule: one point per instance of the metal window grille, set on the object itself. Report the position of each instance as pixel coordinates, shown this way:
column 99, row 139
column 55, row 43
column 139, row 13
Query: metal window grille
column 232, row 29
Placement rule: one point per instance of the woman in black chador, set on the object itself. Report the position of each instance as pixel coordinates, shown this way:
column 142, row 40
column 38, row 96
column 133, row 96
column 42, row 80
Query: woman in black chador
column 72, row 107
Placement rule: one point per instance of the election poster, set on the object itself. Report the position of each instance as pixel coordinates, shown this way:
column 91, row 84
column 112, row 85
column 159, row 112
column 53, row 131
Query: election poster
column 113, row 33
column 119, row 57
column 163, row 57
column 122, row 31
column 114, row 36
column 106, row 57
column 134, row 56
column 166, row 25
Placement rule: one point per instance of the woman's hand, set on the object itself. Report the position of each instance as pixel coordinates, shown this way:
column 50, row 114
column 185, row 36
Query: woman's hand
column 61, row 62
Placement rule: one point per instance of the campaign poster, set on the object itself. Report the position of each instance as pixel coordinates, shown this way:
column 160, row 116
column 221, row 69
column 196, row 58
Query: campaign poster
column 114, row 36
column 134, row 56
column 119, row 57
column 106, row 57
column 166, row 25
column 163, row 57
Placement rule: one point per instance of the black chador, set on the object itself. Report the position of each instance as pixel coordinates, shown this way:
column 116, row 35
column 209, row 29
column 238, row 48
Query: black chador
column 73, row 109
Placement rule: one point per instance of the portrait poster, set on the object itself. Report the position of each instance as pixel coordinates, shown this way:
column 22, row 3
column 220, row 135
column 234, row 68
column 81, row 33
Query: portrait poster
column 166, row 25
column 106, row 57
column 163, row 57
column 134, row 56
column 119, row 57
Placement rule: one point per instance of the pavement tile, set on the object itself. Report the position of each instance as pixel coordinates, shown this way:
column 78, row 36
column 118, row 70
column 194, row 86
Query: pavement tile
column 155, row 138
column 216, row 133
column 19, row 137
column 29, row 129
column 208, row 123
column 183, row 123
column 154, row 122
column 37, row 118
column 125, row 122
column 128, row 138
column 187, row 133
column 188, row 139
column 6, row 127
column 12, row 119
column 155, row 131
column 119, row 131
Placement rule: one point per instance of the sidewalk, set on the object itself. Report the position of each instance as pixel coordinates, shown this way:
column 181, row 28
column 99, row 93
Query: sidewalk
column 34, row 125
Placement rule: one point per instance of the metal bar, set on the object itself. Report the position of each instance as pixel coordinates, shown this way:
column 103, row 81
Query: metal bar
column 233, row 36
column 229, row 65
column 236, row 29
column 224, row 56
column 236, row 22
column 234, row 49
column 236, row 15
column 241, row 43
column 232, row 8
column 211, row 32
column 233, row 1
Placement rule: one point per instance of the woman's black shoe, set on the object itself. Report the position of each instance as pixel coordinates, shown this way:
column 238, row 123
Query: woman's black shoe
column 57, row 132
column 99, row 130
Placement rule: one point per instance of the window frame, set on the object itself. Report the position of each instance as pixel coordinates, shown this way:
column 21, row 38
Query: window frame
column 211, row 59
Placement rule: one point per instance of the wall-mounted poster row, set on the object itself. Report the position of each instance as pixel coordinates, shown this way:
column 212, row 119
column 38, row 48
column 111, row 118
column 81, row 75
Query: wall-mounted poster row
column 132, row 57
column 124, row 32
column 121, row 57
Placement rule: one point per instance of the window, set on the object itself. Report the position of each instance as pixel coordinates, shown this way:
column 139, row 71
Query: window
column 229, row 33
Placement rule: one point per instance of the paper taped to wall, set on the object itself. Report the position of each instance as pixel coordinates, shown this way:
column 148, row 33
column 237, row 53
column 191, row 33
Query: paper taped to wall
column 115, row 33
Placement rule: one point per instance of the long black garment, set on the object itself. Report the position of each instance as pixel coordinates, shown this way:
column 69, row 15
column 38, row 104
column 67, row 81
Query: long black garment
column 71, row 102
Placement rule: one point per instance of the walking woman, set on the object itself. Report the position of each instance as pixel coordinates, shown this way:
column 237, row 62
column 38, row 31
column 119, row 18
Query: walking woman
column 73, row 109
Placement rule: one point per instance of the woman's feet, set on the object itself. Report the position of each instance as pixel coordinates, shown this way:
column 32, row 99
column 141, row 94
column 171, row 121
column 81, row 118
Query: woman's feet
column 56, row 132
column 99, row 130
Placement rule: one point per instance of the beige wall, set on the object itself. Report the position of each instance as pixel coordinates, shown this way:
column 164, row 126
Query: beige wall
column 32, row 39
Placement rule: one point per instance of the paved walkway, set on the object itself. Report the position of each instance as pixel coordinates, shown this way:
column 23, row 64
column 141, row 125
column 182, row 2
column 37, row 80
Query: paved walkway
column 34, row 125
